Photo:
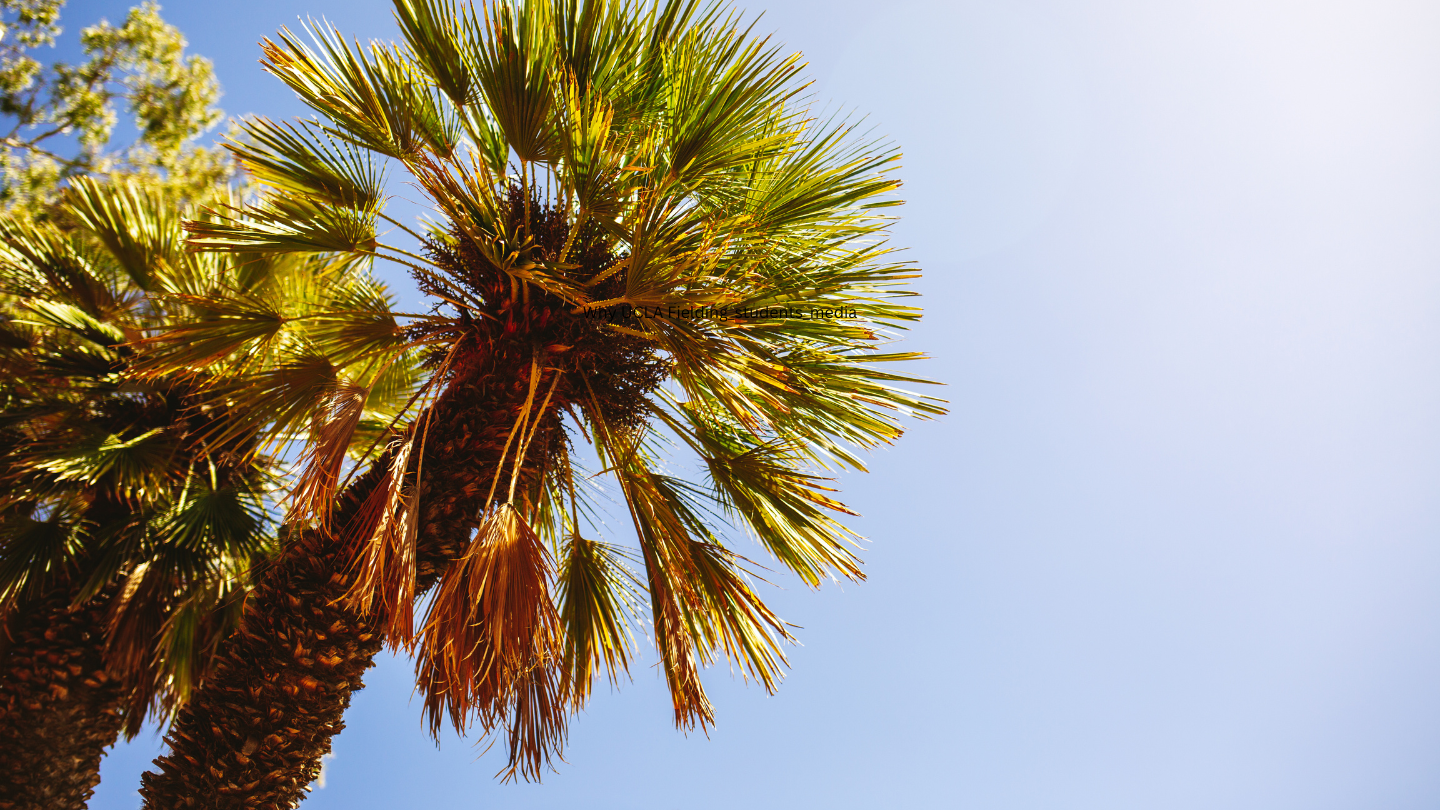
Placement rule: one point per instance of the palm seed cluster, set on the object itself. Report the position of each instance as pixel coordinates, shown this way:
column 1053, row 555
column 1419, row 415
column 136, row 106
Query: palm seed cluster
column 604, row 368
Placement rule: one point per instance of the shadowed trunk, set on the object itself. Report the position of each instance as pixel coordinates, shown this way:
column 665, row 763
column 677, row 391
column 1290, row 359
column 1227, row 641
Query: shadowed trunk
column 59, row 705
column 253, row 735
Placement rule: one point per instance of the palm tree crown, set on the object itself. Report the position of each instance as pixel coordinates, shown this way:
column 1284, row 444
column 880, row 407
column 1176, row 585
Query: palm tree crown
column 109, row 485
column 645, row 240
column 127, row 499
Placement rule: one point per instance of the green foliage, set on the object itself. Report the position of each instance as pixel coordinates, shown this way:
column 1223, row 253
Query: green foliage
column 58, row 120
column 150, row 487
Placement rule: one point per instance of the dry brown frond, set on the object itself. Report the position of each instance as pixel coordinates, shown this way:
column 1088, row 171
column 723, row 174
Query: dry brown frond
column 334, row 427
column 134, row 620
column 385, row 527
column 491, row 644
column 676, row 645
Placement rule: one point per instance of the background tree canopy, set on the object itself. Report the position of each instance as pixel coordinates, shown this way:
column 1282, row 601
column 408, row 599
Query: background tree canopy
column 60, row 119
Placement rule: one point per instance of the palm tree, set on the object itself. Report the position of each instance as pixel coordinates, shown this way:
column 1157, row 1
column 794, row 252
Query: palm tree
column 646, row 239
column 130, row 509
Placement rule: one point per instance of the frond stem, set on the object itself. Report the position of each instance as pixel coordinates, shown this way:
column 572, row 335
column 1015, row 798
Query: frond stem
column 403, row 252
column 524, row 413
column 401, row 226
column 525, row 445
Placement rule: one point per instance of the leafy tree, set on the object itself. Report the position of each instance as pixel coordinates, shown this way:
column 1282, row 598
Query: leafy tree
column 131, row 510
column 646, row 240
column 58, row 121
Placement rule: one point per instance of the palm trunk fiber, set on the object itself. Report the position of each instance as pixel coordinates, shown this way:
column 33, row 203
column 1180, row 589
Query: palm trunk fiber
column 59, row 704
column 253, row 735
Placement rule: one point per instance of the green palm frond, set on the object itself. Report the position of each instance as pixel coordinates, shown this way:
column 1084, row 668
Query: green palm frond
column 764, row 485
column 514, row 68
column 138, row 228
column 288, row 225
column 133, row 465
column 597, row 598
column 224, row 519
column 378, row 100
column 223, row 327
column 74, row 320
column 301, row 161
column 38, row 260
column 438, row 34
column 37, row 550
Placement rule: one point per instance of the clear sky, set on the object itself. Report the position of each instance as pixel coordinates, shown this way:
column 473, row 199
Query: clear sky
column 1178, row 544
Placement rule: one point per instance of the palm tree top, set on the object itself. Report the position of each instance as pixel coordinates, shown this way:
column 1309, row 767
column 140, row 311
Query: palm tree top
column 644, row 240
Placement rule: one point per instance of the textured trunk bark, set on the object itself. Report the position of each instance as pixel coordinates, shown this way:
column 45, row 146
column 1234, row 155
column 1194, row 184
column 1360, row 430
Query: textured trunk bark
column 253, row 735
column 59, row 705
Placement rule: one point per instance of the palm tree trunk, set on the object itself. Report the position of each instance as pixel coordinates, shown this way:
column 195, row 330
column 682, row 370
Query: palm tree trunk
column 59, row 704
column 253, row 735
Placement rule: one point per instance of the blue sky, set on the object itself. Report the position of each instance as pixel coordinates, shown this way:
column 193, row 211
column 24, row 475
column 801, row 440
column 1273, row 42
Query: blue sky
column 1178, row 544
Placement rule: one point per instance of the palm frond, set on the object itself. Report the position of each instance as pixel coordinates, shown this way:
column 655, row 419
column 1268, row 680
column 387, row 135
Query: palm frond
column 385, row 530
column 491, row 644
column 39, row 260
column 139, row 229
column 513, row 66
column 377, row 101
column 305, row 161
column 762, row 483
column 439, row 34
column 597, row 598
column 287, row 225
column 37, row 550
column 74, row 320
column 724, row 92
column 135, row 464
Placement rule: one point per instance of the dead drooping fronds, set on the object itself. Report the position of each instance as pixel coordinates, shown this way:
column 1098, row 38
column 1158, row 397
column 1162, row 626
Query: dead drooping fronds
column 491, row 643
column 331, row 436
column 383, row 533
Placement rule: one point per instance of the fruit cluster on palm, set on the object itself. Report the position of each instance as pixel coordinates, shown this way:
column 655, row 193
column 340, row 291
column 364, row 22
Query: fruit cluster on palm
column 613, row 181
column 133, row 507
